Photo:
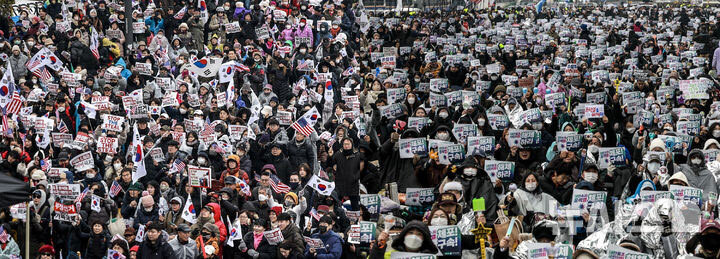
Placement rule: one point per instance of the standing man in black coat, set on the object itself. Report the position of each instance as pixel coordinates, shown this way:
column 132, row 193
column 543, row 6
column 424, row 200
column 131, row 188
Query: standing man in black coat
column 155, row 246
column 347, row 166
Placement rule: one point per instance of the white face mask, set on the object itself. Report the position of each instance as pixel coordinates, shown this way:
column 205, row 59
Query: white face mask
column 653, row 167
column 439, row 222
column 591, row 177
column 716, row 133
column 470, row 171
column 262, row 197
column 630, row 130
column 413, row 241
column 696, row 161
column 481, row 122
column 302, row 24
column 669, row 128
column 117, row 166
column 442, row 136
column 531, row 186
column 443, row 115
column 411, row 100
column 89, row 176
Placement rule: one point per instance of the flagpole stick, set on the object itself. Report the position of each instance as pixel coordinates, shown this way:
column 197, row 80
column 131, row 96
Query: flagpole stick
column 27, row 230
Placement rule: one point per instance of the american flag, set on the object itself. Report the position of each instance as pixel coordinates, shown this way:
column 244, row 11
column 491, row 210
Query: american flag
column 115, row 189
column 94, row 43
column 275, row 183
column 241, row 67
column 15, row 104
column 82, row 196
column 63, row 127
column 178, row 165
column 43, row 74
column 219, row 149
column 179, row 15
column 45, row 164
column 303, row 127
column 314, row 214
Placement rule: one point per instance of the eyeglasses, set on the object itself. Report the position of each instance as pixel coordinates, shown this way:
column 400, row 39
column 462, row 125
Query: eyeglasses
column 46, row 254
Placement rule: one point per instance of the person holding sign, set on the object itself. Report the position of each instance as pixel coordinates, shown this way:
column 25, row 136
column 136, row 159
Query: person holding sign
column 476, row 184
column 415, row 238
column 333, row 243
column 528, row 199
column 256, row 243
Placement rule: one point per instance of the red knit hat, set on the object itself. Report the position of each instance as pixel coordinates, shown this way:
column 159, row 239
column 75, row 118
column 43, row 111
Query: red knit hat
column 47, row 249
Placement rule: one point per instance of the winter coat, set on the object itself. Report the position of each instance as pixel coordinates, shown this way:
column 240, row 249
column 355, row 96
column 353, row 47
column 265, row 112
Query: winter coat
column 333, row 246
column 716, row 59
column 265, row 249
column 142, row 217
column 304, row 33
column 347, row 173
column 286, row 34
column 699, row 176
column 301, row 152
column 98, row 244
column 396, row 169
column 293, row 236
column 218, row 221
column 161, row 249
column 399, row 246
column 184, row 251
column 154, row 24
column 215, row 23
column 18, row 65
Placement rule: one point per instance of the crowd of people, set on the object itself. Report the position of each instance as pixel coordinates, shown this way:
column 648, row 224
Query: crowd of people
column 324, row 129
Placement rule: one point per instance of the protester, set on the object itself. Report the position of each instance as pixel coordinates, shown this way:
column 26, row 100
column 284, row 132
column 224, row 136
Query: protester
column 192, row 129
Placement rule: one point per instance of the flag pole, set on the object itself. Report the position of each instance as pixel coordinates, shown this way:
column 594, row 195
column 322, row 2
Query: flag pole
column 27, row 229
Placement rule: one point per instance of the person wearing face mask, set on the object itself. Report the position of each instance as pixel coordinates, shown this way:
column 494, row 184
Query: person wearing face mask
column 697, row 173
column 333, row 242
column 208, row 241
column 475, row 184
column 348, row 164
column 414, row 238
column 228, row 201
column 708, row 238
column 233, row 169
column 439, row 117
column 528, row 199
column 148, row 212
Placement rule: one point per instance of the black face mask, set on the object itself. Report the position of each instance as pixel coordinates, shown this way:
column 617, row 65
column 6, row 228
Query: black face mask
column 710, row 242
column 322, row 229
column 347, row 152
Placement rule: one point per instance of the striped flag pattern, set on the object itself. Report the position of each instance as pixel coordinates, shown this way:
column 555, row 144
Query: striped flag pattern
column 45, row 164
column 302, row 126
column 94, row 43
column 275, row 183
column 178, row 166
column 14, row 105
column 115, row 189
column 62, row 127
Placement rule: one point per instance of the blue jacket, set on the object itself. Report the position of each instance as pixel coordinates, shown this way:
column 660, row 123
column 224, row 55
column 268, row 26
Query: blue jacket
column 333, row 246
column 154, row 25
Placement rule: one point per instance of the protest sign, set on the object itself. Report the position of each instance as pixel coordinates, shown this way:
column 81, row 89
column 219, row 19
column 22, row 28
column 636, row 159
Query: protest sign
column 367, row 231
column 274, row 237
column 439, row 85
column 568, row 141
column 284, row 117
column 686, row 194
column 693, row 89
column 419, row 196
column 417, row 123
column 462, row 131
column 138, row 27
column 144, row 68
column 354, row 234
column 314, row 243
column 408, row 255
column 594, row 111
column 611, row 156
column 83, row 161
column 546, row 250
column 233, row 27
column 524, row 138
column 653, row 196
column 617, row 252
column 396, row 95
column 372, row 202
column 584, row 199
column 480, row 143
column 451, row 153
column 64, row 191
column 412, row 146
column 112, row 122
column 447, row 239
column 502, row 170
column 199, row 176
column 107, row 145
column 498, row 121
column 391, row 111
column 18, row 211
column 64, row 212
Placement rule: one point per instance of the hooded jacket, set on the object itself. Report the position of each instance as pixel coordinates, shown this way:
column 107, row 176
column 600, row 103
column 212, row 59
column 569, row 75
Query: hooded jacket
column 398, row 244
column 699, row 176
column 396, row 169
column 218, row 221
column 479, row 186
column 530, row 201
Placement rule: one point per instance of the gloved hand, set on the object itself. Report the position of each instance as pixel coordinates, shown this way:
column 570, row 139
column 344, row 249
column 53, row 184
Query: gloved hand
column 253, row 253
